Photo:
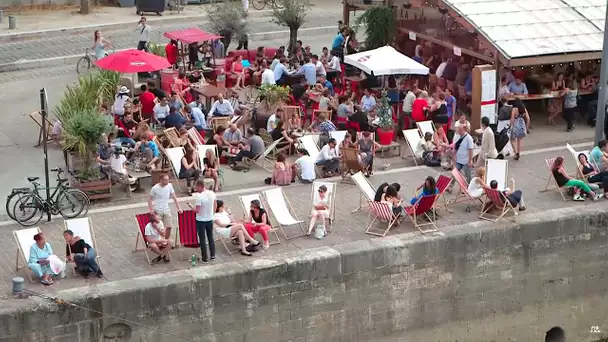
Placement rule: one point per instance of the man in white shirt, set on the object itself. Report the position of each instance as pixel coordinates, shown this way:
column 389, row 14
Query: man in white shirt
column 271, row 124
column 161, row 110
column 318, row 65
column 306, row 168
column 267, row 75
column 144, row 34
column 441, row 67
column 329, row 159
column 206, row 204
column 158, row 202
column 155, row 233
column 221, row 107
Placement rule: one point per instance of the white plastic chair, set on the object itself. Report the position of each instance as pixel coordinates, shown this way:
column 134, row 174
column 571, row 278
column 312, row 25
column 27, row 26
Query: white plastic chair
column 367, row 190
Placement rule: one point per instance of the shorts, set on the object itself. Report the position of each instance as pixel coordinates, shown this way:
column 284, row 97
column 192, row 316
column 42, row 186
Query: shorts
column 224, row 232
column 166, row 217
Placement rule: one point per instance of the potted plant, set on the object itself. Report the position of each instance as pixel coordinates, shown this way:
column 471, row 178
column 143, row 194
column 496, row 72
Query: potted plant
column 386, row 130
column 271, row 97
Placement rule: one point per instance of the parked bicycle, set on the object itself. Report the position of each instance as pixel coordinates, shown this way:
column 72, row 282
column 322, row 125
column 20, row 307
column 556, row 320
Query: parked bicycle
column 260, row 4
column 66, row 201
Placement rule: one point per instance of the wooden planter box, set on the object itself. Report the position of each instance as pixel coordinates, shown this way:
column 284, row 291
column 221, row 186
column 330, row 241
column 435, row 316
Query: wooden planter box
column 99, row 189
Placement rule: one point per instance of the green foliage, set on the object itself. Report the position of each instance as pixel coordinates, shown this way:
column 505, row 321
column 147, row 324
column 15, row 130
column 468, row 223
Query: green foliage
column 228, row 19
column 379, row 26
column 292, row 15
column 157, row 49
column 274, row 94
column 82, row 133
column 385, row 113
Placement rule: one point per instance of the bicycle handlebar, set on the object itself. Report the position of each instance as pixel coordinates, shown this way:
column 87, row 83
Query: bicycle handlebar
column 57, row 169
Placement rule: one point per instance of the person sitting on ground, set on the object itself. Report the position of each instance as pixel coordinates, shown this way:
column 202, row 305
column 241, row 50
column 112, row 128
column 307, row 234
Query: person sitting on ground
column 329, row 159
column 427, row 151
column 253, row 148
column 218, row 139
column 515, row 197
column 563, row 179
column 82, row 254
column 320, row 209
column 592, row 175
column 227, row 228
column 392, row 198
column 429, row 187
column 382, row 190
column 155, row 237
column 212, row 167
column 233, row 137
column 258, row 222
column 279, row 132
column 305, row 167
column 367, row 146
column 39, row 261
column 190, row 170
column 283, row 173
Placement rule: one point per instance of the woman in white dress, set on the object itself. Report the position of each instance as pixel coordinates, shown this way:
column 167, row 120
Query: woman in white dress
column 227, row 228
column 320, row 208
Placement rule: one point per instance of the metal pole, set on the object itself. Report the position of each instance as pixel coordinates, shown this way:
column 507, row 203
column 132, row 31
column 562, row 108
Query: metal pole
column 45, row 136
column 601, row 100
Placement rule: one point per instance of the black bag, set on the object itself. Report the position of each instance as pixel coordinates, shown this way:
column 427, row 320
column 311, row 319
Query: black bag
column 501, row 139
column 457, row 144
column 441, row 119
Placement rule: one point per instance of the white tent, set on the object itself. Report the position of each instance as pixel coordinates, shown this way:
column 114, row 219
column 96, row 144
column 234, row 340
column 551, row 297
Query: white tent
column 385, row 61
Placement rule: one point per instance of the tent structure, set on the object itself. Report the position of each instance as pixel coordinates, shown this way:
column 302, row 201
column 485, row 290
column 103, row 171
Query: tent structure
column 385, row 61
column 191, row 35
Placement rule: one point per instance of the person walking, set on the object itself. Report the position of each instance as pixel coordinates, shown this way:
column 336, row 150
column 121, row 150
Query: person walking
column 520, row 125
column 206, row 205
column 144, row 34
column 158, row 202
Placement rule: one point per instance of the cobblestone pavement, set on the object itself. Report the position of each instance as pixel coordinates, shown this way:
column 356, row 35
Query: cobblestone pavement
column 116, row 230
column 69, row 45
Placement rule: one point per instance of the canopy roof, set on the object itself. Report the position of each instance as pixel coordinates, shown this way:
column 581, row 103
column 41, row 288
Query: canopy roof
column 385, row 61
column 191, row 35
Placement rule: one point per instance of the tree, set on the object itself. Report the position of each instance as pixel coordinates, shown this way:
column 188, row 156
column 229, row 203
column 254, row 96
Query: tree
column 228, row 20
column 292, row 15
column 379, row 26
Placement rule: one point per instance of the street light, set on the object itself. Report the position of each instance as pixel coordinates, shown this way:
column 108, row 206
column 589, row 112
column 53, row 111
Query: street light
column 44, row 105
column 601, row 101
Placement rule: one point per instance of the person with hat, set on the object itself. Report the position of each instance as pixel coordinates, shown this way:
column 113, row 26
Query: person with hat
column 118, row 108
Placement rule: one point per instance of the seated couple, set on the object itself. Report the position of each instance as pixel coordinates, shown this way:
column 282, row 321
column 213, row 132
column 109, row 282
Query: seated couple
column 365, row 148
column 435, row 150
column 228, row 228
column 477, row 188
column 43, row 262
column 390, row 194
column 563, row 179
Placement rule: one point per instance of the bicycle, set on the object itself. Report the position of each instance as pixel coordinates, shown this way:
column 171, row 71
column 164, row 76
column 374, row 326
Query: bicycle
column 260, row 4
column 63, row 198
column 85, row 63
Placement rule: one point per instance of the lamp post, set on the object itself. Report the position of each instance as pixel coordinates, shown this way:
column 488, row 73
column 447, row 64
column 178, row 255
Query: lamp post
column 45, row 136
column 601, row 101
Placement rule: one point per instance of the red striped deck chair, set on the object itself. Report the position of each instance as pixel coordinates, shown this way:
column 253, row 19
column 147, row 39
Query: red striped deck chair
column 495, row 199
column 551, row 183
column 186, row 227
column 463, row 191
column 421, row 210
column 382, row 212
column 142, row 220
column 443, row 183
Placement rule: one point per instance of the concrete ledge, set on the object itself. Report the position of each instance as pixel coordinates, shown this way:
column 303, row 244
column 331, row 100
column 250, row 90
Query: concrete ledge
column 351, row 291
column 73, row 59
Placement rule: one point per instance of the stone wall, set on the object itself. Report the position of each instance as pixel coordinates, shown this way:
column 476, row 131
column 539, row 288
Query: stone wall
column 479, row 282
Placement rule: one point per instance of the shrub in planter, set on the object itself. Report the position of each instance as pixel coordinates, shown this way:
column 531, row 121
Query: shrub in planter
column 385, row 121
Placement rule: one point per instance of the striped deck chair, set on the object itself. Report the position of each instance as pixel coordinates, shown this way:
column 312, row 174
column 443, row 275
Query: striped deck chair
column 463, row 191
column 421, row 209
column 551, row 182
column 186, row 228
column 382, row 212
column 443, row 184
column 142, row 220
column 496, row 199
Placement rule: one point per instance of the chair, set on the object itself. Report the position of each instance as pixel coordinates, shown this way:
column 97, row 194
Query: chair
column 463, row 191
column 382, row 212
column 426, row 126
column 332, row 189
column 551, row 182
column 282, row 211
column 575, row 154
column 443, row 184
column 142, row 221
column 497, row 169
column 195, row 136
column 246, row 201
column 412, row 137
column 367, row 191
column 186, row 228
column 175, row 155
column 350, row 162
column 83, row 228
column 25, row 240
column 421, row 209
column 338, row 135
column 266, row 157
column 497, row 199
column 37, row 118
column 173, row 136
column 217, row 121
column 201, row 150
column 373, row 138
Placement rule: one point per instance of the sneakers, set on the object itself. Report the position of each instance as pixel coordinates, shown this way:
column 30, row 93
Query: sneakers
column 597, row 197
column 578, row 198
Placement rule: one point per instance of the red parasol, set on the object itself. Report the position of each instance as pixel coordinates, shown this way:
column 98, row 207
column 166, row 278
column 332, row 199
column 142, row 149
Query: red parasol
column 132, row 61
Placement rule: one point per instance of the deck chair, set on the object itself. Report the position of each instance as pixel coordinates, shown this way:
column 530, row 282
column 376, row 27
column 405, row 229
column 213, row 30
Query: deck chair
column 201, row 150
column 412, row 138
column 350, row 162
column 463, row 194
column 421, row 209
column 25, row 240
column 332, row 188
column 551, row 182
column 426, row 126
column 217, row 121
column 83, row 228
column 443, row 184
column 280, row 208
column 367, row 193
column 195, row 136
column 185, row 234
column 339, row 136
column 498, row 201
column 37, row 118
column 307, row 142
column 175, row 155
column 266, row 159
column 142, row 221
column 246, row 201
column 373, row 137
column 173, row 136
column 579, row 173
column 383, row 213
column 498, row 170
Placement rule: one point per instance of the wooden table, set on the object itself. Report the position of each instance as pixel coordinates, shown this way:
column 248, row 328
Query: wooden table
column 549, row 95
column 138, row 175
column 211, row 92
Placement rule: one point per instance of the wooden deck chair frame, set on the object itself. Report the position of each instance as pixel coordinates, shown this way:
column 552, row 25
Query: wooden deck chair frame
column 350, row 162
column 413, row 216
column 217, row 121
column 165, row 162
column 412, row 134
column 142, row 237
column 195, row 136
column 551, row 182
column 21, row 252
column 488, row 204
column 91, row 233
column 245, row 201
column 290, row 210
column 168, row 153
column 332, row 189
column 173, row 136
column 364, row 196
column 498, row 167
column 425, row 126
column 463, row 190
column 373, row 216
column 37, row 118
column 441, row 194
column 264, row 159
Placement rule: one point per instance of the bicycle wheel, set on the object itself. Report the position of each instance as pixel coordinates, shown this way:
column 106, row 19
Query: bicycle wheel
column 10, row 202
column 72, row 203
column 278, row 4
column 27, row 211
column 258, row 4
column 83, row 65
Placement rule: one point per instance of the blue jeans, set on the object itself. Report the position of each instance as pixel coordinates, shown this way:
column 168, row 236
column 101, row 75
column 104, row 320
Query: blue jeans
column 88, row 262
column 205, row 229
column 465, row 170
column 123, row 140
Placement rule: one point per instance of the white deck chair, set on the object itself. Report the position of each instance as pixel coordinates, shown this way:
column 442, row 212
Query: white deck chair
column 498, row 170
column 83, row 228
column 575, row 154
column 25, row 240
column 201, row 150
column 332, row 188
column 246, row 202
column 412, row 137
column 367, row 190
column 310, row 146
column 263, row 159
column 282, row 211
column 175, row 155
column 426, row 126
column 339, row 136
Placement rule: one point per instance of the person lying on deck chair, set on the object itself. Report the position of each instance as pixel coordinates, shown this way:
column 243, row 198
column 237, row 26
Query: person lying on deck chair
column 155, row 237
column 515, row 197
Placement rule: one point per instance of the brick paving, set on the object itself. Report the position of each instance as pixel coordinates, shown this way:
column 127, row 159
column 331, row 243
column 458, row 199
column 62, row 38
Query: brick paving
column 116, row 230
